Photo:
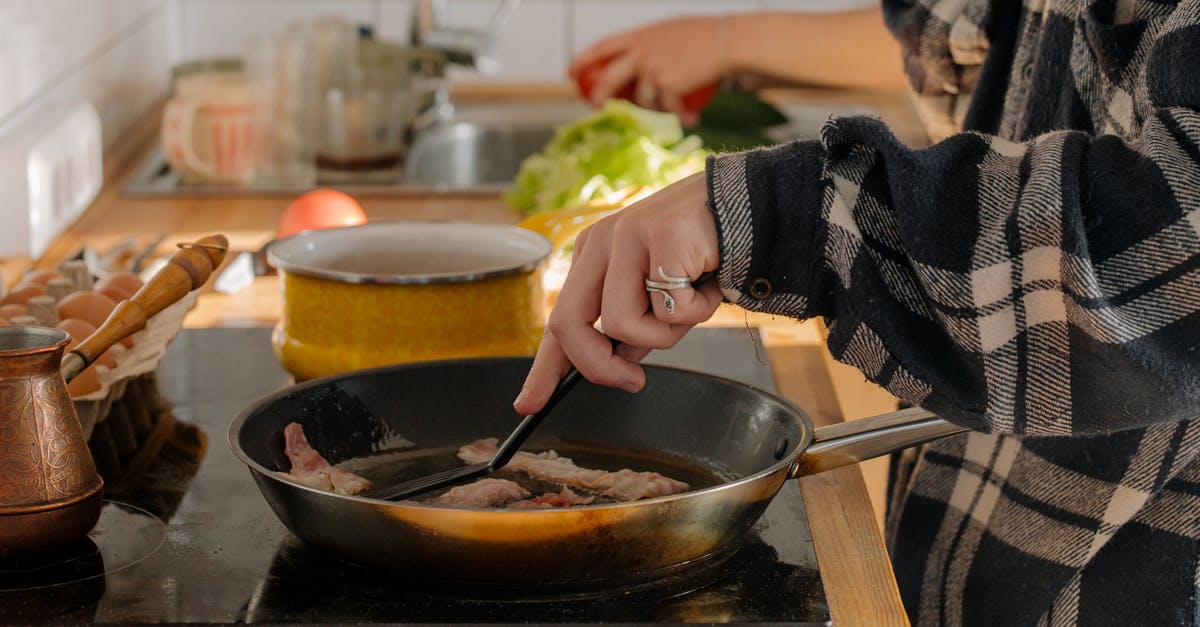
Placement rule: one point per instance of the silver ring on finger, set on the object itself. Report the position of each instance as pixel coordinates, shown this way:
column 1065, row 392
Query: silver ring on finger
column 673, row 279
column 667, row 285
column 669, row 282
column 668, row 300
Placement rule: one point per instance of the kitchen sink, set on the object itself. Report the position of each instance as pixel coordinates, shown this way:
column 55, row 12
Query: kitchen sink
column 477, row 149
column 466, row 155
column 482, row 147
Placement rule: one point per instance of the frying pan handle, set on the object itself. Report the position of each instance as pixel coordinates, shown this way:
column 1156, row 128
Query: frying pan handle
column 851, row 442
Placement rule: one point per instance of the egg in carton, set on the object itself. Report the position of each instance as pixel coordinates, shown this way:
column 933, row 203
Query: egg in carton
column 141, row 360
column 70, row 300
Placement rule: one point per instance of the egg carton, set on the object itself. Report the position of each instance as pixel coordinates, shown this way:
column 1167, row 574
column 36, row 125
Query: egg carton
column 141, row 360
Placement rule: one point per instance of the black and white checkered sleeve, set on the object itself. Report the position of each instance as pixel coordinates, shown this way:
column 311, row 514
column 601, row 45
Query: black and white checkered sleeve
column 1049, row 287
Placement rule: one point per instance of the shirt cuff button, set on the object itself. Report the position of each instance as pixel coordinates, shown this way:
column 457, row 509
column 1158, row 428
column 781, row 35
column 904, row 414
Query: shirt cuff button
column 761, row 288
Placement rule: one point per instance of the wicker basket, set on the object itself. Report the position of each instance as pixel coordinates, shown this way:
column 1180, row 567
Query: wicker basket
column 127, row 422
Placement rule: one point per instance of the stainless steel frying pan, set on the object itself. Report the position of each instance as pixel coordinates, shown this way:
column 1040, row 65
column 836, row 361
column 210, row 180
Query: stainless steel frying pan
column 736, row 443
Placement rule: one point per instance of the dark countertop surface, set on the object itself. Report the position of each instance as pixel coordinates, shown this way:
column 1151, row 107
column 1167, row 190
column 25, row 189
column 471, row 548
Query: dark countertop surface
column 196, row 541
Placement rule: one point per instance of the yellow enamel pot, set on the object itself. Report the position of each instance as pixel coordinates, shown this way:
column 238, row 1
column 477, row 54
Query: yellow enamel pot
column 395, row 292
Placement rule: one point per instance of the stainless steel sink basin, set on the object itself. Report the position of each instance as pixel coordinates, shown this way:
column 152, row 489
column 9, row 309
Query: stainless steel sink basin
column 465, row 155
column 483, row 147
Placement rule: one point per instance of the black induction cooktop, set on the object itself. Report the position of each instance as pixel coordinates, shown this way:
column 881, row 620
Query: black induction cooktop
column 195, row 542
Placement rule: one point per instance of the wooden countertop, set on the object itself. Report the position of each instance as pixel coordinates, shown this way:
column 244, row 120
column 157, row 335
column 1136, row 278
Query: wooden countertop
column 859, row 582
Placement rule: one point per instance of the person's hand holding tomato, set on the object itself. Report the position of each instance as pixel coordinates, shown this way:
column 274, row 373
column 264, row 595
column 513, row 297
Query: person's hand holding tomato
column 672, row 66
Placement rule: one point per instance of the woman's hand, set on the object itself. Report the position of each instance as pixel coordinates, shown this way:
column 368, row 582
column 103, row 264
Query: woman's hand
column 672, row 230
column 665, row 61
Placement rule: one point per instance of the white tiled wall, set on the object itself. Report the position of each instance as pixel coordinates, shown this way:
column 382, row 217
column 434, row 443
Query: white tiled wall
column 536, row 46
column 222, row 27
column 118, row 53
column 532, row 47
column 112, row 52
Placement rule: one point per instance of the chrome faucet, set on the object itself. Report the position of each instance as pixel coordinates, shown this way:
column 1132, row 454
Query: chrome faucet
column 462, row 46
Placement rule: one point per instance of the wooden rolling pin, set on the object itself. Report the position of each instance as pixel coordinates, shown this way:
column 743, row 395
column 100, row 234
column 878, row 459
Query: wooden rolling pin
column 187, row 270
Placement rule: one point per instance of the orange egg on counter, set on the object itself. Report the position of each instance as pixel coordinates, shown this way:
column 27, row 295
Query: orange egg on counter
column 43, row 276
column 91, row 307
column 85, row 382
column 22, row 292
column 13, row 310
column 80, row 330
column 319, row 209
column 123, row 279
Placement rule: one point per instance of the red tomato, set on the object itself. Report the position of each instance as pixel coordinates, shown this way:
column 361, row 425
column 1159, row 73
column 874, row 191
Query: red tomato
column 693, row 101
column 698, row 98
column 590, row 75
column 320, row 209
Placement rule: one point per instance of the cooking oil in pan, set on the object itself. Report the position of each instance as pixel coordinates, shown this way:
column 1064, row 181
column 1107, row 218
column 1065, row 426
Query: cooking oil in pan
column 397, row 466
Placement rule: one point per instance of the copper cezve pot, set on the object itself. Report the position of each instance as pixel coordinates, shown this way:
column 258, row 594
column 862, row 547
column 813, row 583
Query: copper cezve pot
column 50, row 492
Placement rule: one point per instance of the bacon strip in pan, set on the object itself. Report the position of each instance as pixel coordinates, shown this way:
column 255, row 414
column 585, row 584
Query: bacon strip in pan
column 623, row 485
column 310, row 469
column 485, row 492
column 549, row 500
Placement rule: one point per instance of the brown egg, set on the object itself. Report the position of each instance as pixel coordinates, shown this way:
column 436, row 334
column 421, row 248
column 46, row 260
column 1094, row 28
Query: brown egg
column 4, row 322
column 91, row 307
column 43, row 276
column 111, row 289
column 125, row 280
column 85, row 382
column 22, row 292
column 11, row 311
column 80, row 330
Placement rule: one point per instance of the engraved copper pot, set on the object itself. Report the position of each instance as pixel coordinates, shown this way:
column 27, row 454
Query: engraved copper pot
column 49, row 487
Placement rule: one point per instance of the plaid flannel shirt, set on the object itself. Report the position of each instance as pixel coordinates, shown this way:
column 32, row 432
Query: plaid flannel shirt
column 1035, row 277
